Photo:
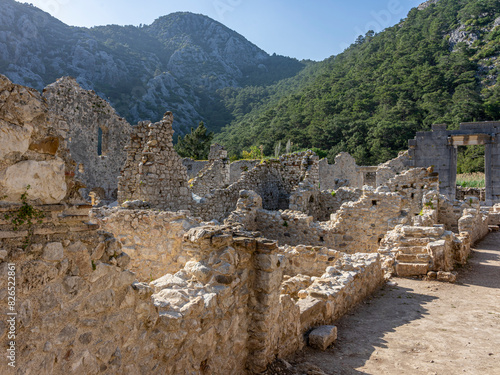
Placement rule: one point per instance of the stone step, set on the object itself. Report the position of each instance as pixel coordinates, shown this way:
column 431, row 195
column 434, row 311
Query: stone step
column 413, row 258
column 412, row 249
column 414, row 241
column 411, row 269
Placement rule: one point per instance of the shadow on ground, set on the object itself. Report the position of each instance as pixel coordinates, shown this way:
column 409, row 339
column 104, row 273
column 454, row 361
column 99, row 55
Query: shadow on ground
column 368, row 323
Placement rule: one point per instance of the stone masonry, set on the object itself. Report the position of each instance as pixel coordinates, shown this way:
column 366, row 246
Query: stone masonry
column 439, row 149
column 96, row 138
column 153, row 171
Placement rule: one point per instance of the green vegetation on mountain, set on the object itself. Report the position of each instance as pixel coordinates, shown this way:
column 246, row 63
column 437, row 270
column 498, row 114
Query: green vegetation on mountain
column 439, row 65
column 195, row 145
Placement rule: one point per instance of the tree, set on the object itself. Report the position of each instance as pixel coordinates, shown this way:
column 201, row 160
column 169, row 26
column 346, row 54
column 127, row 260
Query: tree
column 195, row 145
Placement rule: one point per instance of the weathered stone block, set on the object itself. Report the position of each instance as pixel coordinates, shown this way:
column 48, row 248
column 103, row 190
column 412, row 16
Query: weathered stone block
column 53, row 251
column 411, row 269
column 322, row 337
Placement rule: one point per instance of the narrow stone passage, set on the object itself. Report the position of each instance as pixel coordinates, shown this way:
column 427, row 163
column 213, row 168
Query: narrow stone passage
column 422, row 327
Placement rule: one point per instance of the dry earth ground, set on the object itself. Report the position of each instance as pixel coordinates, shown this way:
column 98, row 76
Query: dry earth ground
column 421, row 327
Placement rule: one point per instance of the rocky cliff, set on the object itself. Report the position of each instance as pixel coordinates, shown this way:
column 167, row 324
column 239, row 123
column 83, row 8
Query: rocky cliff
column 177, row 62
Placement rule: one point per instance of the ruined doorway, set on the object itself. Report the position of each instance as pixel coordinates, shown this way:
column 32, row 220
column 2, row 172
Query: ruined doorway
column 470, row 172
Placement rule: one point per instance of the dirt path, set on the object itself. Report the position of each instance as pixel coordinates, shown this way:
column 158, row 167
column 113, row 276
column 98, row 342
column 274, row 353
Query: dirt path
column 422, row 327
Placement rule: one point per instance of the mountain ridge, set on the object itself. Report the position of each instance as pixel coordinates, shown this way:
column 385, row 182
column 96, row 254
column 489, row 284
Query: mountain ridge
column 174, row 63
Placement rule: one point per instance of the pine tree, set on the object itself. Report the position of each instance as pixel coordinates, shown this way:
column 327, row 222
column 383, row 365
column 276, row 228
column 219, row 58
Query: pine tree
column 195, row 145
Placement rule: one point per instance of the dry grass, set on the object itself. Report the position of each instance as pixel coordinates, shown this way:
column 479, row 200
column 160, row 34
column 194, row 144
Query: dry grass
column 475, row 179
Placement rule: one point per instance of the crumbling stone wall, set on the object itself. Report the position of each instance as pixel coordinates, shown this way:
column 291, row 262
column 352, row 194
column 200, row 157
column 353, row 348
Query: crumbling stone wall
column 321, row 204
column 274, row 180
column 236, row 168
column 393, row 167
column 462, row 192
column 153, row 171
column 193, row 167
column 346, row 171
column 428, row 247
column 370, row 218
column 96, row 137
column 215, row 174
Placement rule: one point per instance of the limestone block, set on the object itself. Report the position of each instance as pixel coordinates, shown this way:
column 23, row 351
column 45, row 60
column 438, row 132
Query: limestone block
column 14, row 138
column 322, row 337
column 53, row 251
column 45, row 178
column 311, row 310
column 411, row 269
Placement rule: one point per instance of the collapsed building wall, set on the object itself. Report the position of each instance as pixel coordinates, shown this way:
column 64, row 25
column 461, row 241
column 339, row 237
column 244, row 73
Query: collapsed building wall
column 153, row 171
column 274, row 180
column 215, row 174
column 96, row 136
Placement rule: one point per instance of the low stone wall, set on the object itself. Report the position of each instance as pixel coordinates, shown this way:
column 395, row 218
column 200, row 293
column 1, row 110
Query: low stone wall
column 418, row 250
column 462, row 193
column 494, row 215
column 321, row 204
column 307, row 260
column 339, row 289
column 153, row 239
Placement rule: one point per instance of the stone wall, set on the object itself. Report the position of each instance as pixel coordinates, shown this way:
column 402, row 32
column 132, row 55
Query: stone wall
column 462, row 192
column 153, row 171
column 96, row 138
column 153, row 239
column 346, row 172
column 215, row 175
column 370, row 218
column 322, row 204
column 357, row 226
column 393, row 167
column 423, row 249
column 274, row 180
column 193, row 167
column 236, row 168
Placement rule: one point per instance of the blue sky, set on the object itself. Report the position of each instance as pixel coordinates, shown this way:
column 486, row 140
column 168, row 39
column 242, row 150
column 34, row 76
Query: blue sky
column 312, row 30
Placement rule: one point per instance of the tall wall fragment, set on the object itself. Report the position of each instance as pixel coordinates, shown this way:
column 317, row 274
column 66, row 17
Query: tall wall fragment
column 96, row 135
column 153, row 171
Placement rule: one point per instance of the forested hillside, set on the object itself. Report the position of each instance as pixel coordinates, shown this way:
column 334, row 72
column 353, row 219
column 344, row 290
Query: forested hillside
column 439, row 65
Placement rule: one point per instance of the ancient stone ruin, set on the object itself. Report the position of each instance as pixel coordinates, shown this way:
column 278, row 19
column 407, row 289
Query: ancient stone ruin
column 439, row 149
column 220, row 269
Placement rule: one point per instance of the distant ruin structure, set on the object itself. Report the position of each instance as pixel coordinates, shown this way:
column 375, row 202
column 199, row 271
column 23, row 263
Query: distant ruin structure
column 96, row 136
column 439, row 149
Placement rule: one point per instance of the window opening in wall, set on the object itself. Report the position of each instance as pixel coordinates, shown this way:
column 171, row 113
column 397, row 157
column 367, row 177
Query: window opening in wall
column 102, row 141
column 374, row 203
column 99, row 141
